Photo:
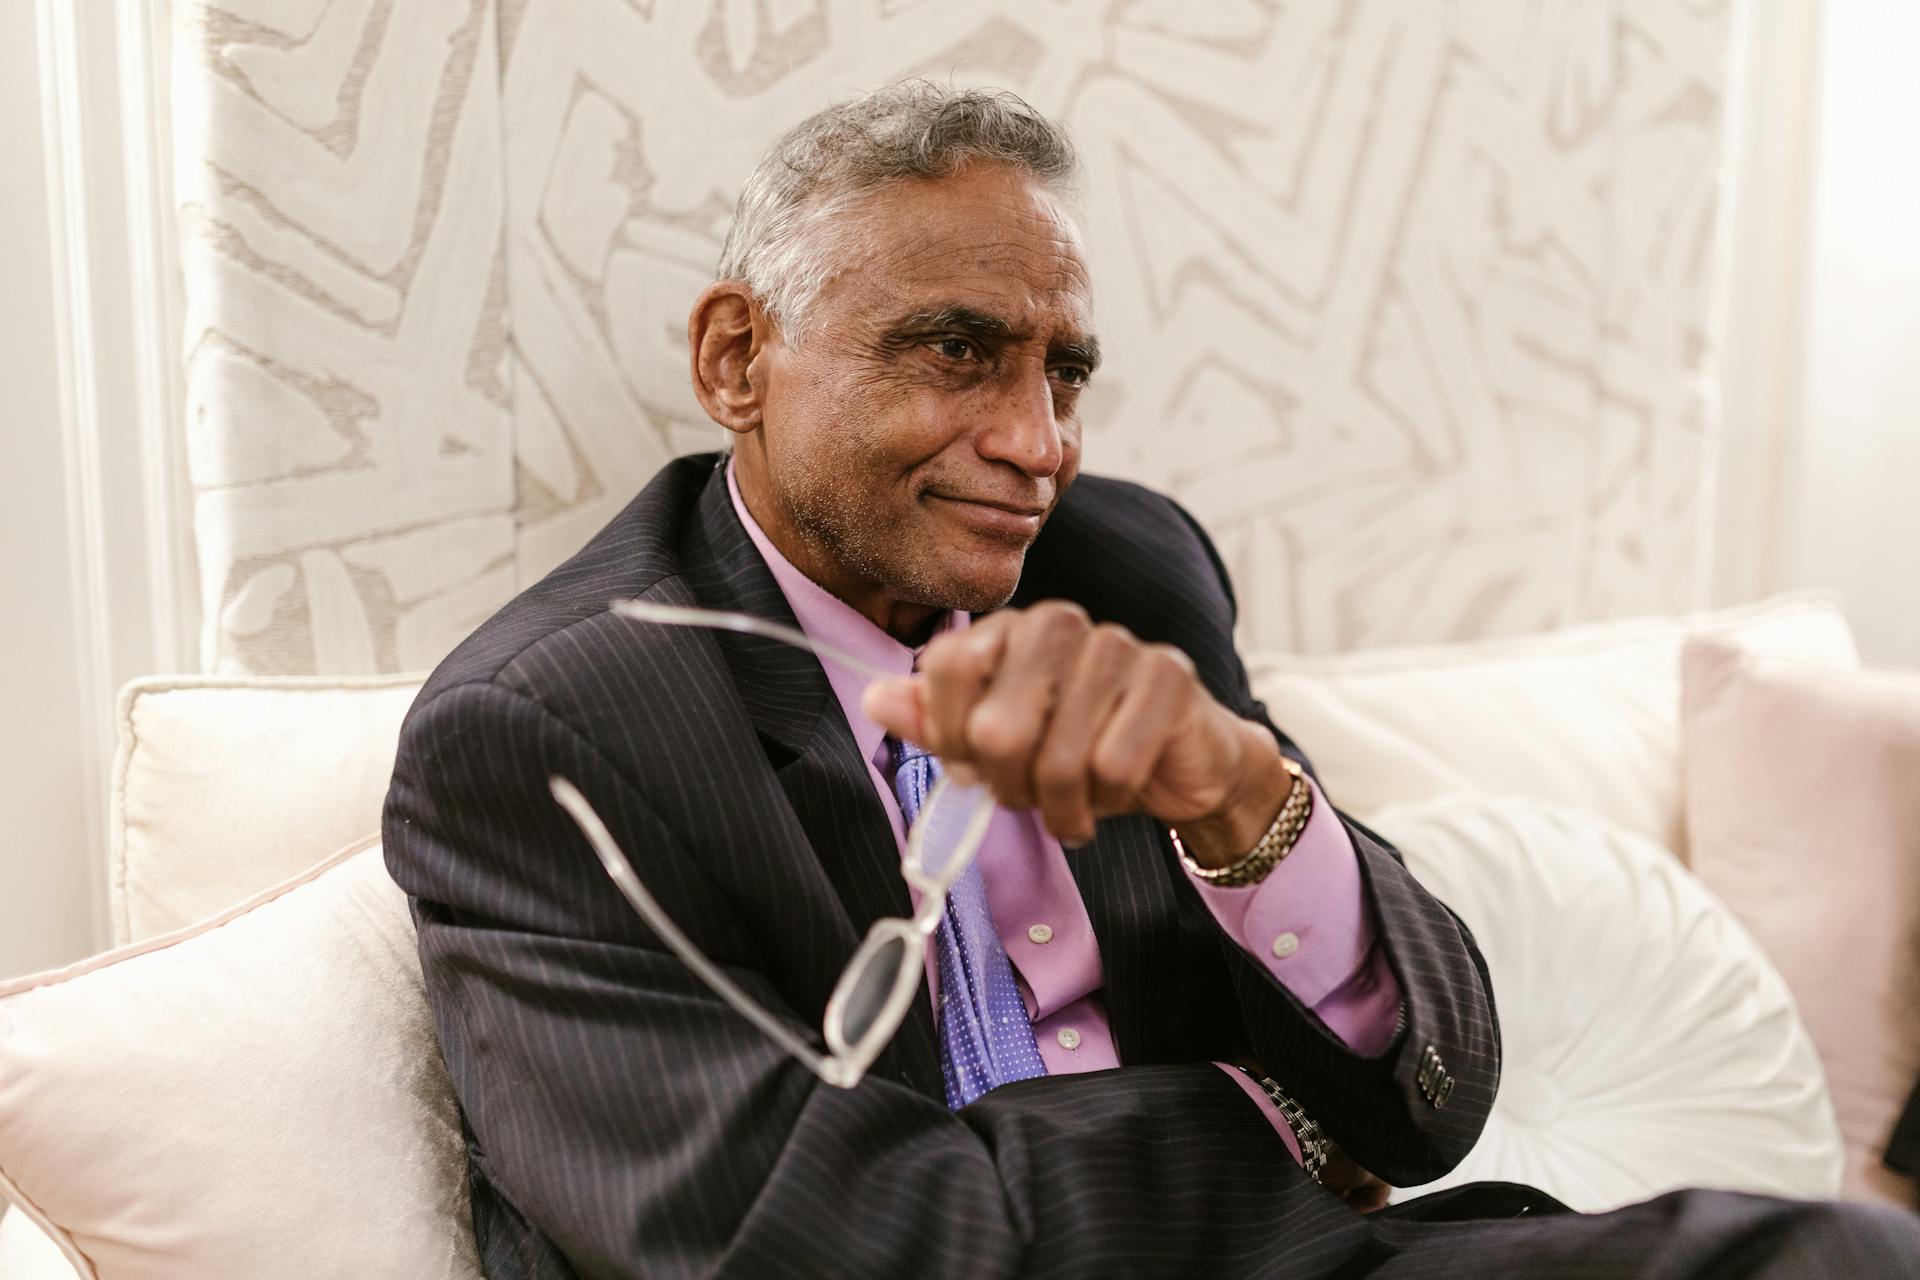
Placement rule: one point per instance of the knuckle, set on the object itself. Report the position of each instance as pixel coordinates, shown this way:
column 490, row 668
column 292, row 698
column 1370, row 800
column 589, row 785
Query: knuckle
column 993, row 735
column 1170, row 661
column 1108, row 772
column 1110, row 639
column 1119, row 774
column 1057, row 772
column 1061, row 616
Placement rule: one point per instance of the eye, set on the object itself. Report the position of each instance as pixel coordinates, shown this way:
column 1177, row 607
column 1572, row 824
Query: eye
column 955, row 349
column 1074, row 375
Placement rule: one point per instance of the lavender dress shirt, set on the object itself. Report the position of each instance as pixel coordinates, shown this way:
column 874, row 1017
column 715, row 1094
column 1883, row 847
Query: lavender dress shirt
column 1309, row 921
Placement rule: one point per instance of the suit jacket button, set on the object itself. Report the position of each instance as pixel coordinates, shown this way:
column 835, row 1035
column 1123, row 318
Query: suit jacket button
column 1435, row 1084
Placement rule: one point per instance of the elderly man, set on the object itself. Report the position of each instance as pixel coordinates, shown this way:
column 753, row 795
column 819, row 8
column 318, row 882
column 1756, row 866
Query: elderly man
column 1174, row 975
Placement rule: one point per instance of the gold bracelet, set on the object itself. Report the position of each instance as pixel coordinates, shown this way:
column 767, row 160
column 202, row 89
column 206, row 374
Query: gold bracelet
column 1273, row 846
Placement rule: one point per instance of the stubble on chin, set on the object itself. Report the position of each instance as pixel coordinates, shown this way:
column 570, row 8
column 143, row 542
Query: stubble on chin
column 838, row 518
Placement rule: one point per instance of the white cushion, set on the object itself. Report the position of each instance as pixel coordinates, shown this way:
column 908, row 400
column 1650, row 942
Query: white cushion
column 1648, row 1042
column 260, row 1095
column 1588, row 716
column 226, row 786
column 28, row 1253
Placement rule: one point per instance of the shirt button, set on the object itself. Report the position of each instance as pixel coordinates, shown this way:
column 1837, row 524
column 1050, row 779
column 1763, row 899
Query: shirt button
column 1068, row 1038
column 1286, row 944
column 1040, row 934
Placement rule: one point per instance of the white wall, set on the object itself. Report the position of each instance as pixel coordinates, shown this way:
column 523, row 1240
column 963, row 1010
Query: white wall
column 1852, row 519
column 46, row 868
column 1821, row 372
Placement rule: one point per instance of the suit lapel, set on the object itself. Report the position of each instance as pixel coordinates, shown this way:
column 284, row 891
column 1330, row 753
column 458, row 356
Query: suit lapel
column 832, row 795
column 787, row 697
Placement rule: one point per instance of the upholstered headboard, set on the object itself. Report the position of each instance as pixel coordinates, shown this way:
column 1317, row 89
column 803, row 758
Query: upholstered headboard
column 1409, row 302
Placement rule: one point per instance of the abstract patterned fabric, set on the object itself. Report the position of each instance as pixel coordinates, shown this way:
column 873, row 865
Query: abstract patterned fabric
column 1409, row 302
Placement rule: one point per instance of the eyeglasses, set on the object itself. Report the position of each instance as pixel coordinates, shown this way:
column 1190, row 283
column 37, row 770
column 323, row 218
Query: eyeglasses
column 870, row 1000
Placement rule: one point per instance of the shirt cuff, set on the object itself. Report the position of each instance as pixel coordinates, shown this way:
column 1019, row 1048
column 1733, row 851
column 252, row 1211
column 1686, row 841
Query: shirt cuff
column 1308, row 921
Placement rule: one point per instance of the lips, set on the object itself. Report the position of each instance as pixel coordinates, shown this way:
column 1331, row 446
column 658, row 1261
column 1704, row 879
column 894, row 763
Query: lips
column 1011, row 508
column 993, row 515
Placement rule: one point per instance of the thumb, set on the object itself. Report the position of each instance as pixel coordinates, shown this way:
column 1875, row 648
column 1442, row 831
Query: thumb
column 898, row 706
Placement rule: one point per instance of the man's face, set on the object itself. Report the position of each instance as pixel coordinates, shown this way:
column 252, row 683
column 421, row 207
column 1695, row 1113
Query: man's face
column 916, row 440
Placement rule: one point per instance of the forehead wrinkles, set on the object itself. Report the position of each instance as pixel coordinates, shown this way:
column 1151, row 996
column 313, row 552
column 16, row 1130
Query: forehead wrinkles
column 1030, row 237
column 1032, row 284
column 1001, row 247
column 982, row 219
column 1052, row 266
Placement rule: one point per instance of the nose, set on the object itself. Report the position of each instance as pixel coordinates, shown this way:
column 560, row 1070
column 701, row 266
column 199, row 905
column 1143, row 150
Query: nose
column 1021, row 427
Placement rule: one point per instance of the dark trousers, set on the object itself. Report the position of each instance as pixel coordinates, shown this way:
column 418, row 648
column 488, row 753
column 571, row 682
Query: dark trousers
column 1493, row 1231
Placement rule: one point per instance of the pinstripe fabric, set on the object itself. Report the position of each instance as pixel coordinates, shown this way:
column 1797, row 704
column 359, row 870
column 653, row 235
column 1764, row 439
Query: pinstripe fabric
column 622, row 1121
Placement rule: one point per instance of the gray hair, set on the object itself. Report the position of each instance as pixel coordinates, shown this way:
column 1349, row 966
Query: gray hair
column 780, row 242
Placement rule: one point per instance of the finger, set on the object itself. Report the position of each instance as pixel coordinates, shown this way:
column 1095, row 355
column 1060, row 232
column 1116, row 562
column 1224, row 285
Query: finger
column 1340, row 1175
column 954, row 671
column 1370, row 1196
column 898, row 706
column 1063, row 767
column 1137, row 733
column 1005, row 727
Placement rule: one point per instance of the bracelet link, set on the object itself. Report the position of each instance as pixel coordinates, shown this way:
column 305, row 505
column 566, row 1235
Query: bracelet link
column 1276, row 844
column 1306, row 1130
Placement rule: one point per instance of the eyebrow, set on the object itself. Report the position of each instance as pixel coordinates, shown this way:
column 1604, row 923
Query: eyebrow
column 984, row 325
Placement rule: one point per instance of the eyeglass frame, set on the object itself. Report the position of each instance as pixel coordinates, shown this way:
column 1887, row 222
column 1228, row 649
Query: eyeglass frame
column 846, row 1061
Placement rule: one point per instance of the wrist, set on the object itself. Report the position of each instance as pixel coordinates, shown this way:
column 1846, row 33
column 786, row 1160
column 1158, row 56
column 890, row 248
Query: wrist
column 1225, row 836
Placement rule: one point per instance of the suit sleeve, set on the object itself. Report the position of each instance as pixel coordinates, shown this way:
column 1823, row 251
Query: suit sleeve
column 645, row 1128
column 1311, row 924
column 1412, row 1111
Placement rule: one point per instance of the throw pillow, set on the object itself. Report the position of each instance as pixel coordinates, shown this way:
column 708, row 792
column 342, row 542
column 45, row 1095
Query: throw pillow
column 1587, row 715
column 227, row 785
column 1803, row 795
column 260, row 1095
column 1648, row 1043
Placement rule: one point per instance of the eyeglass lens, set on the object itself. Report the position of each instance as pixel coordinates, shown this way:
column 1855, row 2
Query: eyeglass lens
column 867, row 996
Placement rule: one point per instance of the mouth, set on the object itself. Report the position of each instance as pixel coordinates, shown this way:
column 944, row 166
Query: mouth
column 993, row 516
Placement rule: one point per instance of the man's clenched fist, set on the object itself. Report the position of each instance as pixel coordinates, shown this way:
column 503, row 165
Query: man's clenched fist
column 1083, row 721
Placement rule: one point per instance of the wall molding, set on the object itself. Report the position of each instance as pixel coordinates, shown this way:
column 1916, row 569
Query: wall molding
column 1763, row 295
column 116, row 321
column 145, row 58
column 67, row 203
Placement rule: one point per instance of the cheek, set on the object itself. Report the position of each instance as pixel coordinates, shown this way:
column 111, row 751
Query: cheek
column 1070, row 443
column 879, row 424
column 920, row 425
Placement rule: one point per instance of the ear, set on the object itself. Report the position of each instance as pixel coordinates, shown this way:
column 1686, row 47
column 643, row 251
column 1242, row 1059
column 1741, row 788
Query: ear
column 727, row 335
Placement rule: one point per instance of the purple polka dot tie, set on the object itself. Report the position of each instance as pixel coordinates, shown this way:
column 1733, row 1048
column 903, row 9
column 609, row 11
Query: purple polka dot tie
column 986, row 1038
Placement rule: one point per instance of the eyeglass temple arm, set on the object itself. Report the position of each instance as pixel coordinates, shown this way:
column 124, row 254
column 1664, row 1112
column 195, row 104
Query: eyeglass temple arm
column 676, row 615
column 624, row 876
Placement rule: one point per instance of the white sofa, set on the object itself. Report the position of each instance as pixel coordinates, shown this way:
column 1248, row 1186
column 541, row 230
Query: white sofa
column 1533, row 783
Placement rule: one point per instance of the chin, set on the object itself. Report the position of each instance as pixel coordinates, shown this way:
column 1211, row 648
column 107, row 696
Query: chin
column 947, row 567
column 982, row 582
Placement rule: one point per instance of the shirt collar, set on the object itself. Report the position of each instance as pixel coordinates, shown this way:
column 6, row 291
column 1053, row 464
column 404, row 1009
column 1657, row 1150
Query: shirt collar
column 825, row 617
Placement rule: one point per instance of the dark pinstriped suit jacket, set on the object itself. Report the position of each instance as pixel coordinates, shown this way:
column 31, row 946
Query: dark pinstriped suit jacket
column 623, row 1121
